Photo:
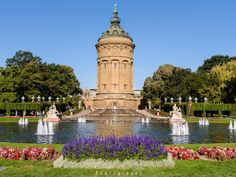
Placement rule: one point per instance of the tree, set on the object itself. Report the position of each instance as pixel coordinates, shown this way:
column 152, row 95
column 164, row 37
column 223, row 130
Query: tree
column 21, row 58
column 26, row 75
column 225, row 77
column 173, row 87
column 8, row 84
column 153, row 86
column 166, row 82
column 215, row 79
column 214, row 61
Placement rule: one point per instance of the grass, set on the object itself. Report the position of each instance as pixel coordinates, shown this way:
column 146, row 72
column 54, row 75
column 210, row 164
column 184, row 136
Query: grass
column 182, row 168
column 218, row 120
column 6, row 120
column 58, row 147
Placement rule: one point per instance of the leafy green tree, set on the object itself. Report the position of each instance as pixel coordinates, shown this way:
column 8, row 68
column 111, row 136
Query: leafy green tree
column 26, row 75
column 173, row 87
column 8, row 84
column 21, row 58
column 214, row 61
column 225, row 77
column 153, row 86
column 166, row 82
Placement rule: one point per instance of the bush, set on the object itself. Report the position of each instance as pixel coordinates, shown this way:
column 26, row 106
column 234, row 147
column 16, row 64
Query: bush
column 114, row 148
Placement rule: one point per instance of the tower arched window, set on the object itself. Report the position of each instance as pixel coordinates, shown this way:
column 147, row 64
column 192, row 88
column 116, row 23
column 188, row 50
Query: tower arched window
column 124, row 65
column 115, row 65
column 104, row 86
column 125, row 62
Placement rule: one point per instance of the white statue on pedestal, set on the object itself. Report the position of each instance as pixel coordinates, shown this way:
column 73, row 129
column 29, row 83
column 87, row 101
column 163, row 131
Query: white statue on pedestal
column 52, row 113
column 176, row 115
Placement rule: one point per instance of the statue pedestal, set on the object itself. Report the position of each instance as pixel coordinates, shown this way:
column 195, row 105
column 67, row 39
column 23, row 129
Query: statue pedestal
column 176, row 119
column 51, row 119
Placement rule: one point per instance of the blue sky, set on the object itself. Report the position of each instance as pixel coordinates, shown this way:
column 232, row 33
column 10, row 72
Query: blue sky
column 178, row 32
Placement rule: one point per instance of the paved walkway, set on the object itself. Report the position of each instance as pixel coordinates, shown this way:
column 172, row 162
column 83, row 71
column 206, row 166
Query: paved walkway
column 80, row 114
column 135, row 114
column 148, row 114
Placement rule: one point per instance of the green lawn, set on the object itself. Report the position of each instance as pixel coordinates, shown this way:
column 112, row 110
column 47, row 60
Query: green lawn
column 58, row 147
column 4, row 119
column 182, row 168
column 211, row 120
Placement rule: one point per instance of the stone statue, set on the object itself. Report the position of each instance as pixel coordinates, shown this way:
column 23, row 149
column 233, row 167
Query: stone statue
column 176, row 115
column 52, row 114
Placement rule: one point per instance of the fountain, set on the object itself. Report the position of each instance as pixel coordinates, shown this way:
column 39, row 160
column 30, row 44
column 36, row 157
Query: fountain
column 23, row 121
column 147, row 120
column 81, row 120
column 203, row 122
column 179, row 125
column 232, row 125
column 45, row 128
column 179, row 128
column 143, row 120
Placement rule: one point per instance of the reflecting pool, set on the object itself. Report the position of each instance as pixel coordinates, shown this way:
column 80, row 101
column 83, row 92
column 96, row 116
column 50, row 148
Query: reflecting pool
column 65, row 131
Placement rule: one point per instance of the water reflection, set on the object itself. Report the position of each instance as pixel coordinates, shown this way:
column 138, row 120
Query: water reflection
column 85, row 129
column 232, row 135
column 180, row 139
column 114, row 128
column 23, row 126
column 48, row 139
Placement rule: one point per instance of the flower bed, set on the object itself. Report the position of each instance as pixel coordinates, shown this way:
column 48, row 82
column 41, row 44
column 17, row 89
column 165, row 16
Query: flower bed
column 214, row 153
column 181, row 153
column 28, row 153
column 114, row 148
column 218, row 153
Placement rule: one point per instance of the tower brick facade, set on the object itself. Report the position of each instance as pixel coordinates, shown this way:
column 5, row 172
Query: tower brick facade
column 115, row 50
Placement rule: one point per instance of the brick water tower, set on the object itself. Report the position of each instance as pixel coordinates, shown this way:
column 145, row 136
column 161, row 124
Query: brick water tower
column 115, row 49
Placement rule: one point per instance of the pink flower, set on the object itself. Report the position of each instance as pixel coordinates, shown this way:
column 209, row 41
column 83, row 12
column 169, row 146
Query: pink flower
column 28, row 153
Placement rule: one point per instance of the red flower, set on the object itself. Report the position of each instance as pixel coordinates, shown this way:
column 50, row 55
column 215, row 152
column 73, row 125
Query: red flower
column 28, row 153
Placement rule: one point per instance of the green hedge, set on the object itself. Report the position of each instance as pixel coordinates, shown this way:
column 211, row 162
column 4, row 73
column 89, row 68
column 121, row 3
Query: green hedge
column 201, row 107
column 20, row 106
column 212, row 107
column 29, row 106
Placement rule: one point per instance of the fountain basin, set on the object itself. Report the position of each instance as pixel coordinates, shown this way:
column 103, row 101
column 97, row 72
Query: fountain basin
column 51, row 120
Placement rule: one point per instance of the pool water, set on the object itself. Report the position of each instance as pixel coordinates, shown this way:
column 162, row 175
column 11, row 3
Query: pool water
column 66, row 131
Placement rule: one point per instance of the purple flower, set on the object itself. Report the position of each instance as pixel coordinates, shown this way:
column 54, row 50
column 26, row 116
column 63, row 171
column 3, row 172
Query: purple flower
column 112, row 148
